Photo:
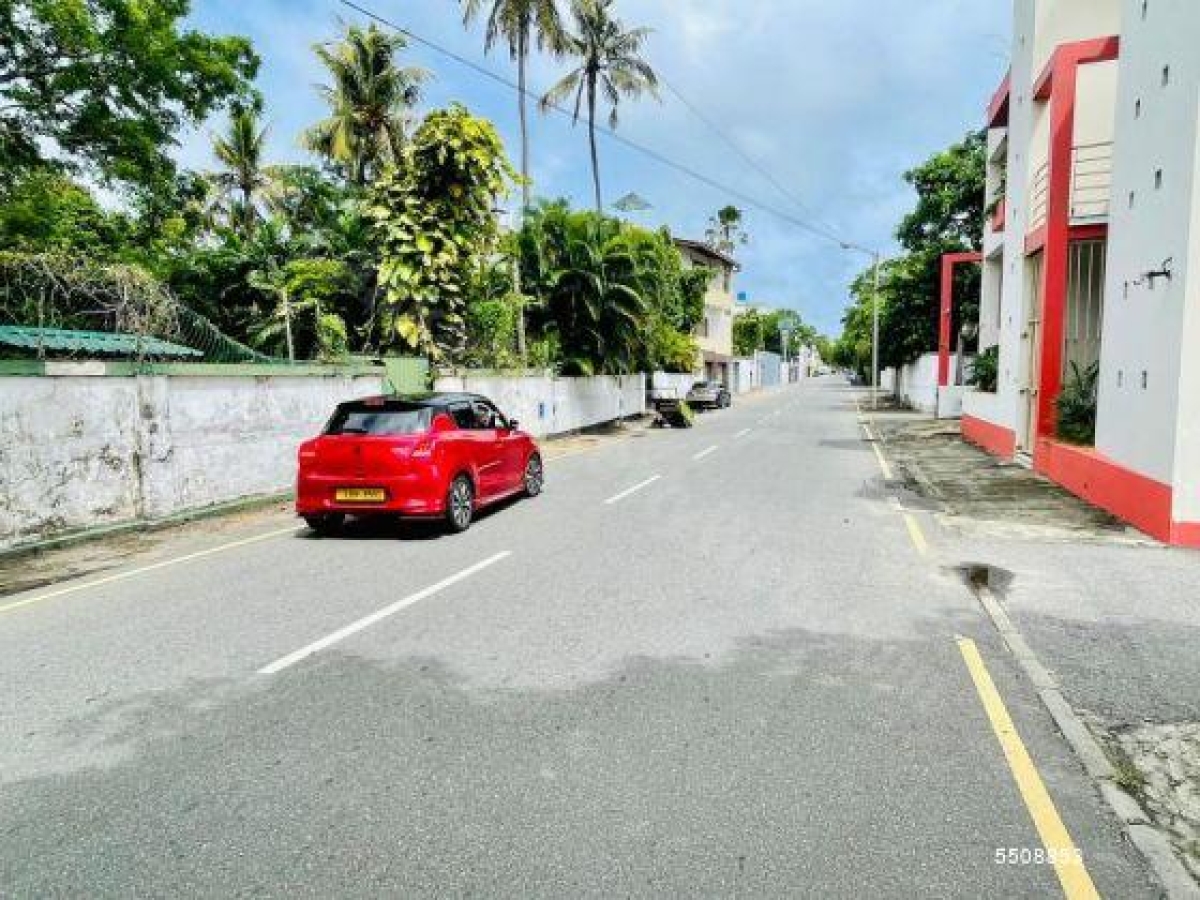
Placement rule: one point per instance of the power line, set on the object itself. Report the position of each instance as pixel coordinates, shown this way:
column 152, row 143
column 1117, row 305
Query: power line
column 649, row 152
column 746, row 157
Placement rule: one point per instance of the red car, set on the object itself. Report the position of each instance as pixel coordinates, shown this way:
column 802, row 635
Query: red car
column 428, row 456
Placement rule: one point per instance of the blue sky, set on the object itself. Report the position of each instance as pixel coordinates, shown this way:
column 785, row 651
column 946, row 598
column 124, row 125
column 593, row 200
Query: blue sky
column 836, row 99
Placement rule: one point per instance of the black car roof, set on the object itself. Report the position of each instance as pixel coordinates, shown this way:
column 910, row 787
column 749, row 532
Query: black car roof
column 433, row 400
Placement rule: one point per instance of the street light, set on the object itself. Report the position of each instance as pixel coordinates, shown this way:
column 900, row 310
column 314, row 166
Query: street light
column 876, row 259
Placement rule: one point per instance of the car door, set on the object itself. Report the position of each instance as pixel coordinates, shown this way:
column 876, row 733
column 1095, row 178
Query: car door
column 488, row 449
column 463, row 444
column 512, row 451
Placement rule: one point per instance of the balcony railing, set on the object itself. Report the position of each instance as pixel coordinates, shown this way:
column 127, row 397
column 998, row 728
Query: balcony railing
column 1091, row 186
column 1039, row 197
column 1091, row 181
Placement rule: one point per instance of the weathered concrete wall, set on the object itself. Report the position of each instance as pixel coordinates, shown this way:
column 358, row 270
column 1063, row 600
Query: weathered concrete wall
column 547, row 406
column 83, row 452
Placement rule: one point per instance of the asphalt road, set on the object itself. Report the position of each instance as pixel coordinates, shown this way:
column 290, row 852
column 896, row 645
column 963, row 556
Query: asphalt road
column 743, row 678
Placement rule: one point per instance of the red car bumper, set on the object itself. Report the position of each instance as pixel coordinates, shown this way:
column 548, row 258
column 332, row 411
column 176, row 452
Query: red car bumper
column 405, row 495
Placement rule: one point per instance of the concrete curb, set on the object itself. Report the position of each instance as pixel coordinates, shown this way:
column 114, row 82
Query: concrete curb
column 1154, row 846
column 1150, row 842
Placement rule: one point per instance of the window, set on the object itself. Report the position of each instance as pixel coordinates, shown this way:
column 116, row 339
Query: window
column 381, row 418
column 485, row 416
column 727, row 280
column 463, row 415
column 1137, row 110
column 1166, row 76
column 1158, row 180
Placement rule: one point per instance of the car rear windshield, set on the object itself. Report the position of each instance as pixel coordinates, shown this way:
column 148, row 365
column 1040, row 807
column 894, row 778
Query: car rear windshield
column 381, row 419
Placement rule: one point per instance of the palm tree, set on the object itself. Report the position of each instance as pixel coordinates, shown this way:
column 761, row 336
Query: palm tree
column 240, row 151
column 520, row 24
column 370, row 101
column 609, row 63
column 726, row 231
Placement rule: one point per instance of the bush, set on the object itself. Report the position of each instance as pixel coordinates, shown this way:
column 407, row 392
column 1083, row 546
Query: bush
column 1077, row 405
column 985, row 374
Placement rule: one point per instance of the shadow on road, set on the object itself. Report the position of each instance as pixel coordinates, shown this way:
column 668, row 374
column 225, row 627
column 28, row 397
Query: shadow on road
column 798, row 763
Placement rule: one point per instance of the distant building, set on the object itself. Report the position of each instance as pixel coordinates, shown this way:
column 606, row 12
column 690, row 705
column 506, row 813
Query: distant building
column 1092, row 254
column 714, row 333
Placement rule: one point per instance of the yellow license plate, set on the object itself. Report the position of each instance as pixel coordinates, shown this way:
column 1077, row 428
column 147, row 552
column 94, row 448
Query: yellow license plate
column 361, row 495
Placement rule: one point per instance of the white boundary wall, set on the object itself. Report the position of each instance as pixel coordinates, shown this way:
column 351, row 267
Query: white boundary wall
column 83, row 452
column 916, row 384
column 548, row 406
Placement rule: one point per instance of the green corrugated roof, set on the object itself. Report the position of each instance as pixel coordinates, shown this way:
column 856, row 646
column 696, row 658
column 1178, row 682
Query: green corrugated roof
column 96, row 343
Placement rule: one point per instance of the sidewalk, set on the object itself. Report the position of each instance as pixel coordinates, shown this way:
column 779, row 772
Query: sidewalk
column 1112, row 614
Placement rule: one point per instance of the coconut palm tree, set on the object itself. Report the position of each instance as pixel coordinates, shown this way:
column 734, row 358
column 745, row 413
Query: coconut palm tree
column 370, row 99
column 520, row 24
column 240, row 151
column 609, row 66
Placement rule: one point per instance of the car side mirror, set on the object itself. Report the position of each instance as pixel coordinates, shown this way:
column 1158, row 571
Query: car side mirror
column 443, row 423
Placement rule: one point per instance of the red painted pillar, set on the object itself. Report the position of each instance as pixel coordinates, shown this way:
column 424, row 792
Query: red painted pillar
column 1058, row 240
column 946, row 320
column 950, row 262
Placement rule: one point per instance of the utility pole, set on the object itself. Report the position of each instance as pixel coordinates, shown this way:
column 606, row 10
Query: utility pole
column 876, row 262
column 287, row 325
column 875, row 338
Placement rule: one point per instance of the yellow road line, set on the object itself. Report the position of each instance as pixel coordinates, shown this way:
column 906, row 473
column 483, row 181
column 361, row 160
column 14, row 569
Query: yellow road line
column 1064, row 855
column 132, row 573
column 916, row 533
column 883, row 463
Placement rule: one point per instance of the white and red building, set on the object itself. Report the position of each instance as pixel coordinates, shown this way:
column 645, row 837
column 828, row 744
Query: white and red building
column 1092, row 254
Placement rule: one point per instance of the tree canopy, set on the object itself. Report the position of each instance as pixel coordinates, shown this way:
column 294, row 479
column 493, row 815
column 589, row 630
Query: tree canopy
column 103, row 86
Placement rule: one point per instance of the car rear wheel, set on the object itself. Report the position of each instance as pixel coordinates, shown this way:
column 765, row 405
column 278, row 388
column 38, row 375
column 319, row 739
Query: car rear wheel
column 535, row 476
column 460, row 505
column 325, row 525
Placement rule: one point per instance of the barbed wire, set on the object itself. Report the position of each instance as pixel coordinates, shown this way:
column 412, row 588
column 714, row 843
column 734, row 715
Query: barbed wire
column 73, row 294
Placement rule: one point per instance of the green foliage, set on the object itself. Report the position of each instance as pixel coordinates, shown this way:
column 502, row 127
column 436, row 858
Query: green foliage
column 105, row 85
column 614, row 297
column 242, row 179
column 673, row 350
column 948, row 218
column 754, row 331
column 493, row 309
column 951, row 194
column 1077, row 405
column 370, row 103
column 45, row 211
column 436, row 224
column 309, row 295
column 985, row 374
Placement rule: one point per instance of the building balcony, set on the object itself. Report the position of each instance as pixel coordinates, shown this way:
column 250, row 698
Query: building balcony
column 1091, row 187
